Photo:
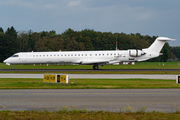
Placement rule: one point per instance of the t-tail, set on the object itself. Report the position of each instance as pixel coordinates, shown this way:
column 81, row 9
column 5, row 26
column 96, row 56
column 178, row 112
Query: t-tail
column 158, row 44
column 155, row 49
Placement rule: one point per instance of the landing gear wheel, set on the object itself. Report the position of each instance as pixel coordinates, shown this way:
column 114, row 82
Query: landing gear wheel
column 12, row 67
column 95, row 67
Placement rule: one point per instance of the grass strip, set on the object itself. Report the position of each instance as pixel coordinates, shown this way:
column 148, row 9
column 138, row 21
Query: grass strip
column 138, row 65
column 98, row 72
column 27, row 83
column 83, row 115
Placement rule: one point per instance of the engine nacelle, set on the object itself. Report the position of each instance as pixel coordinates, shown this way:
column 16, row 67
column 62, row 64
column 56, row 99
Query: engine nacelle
column 136, row 53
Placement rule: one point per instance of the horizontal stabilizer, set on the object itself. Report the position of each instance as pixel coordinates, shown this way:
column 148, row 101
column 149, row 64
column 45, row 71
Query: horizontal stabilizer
column 165, row 39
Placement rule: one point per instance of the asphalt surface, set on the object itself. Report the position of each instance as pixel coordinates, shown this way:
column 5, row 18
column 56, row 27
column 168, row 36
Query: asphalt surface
column 87, row 70
column 165, row 100
column 110, row 76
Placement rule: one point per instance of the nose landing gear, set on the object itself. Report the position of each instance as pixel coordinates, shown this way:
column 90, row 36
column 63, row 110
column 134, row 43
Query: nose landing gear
column 12, row 67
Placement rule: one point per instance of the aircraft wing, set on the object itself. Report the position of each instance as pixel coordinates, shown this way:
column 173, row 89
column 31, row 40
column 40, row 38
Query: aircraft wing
column 143, row 59
column 115, row 60
column 94, row 62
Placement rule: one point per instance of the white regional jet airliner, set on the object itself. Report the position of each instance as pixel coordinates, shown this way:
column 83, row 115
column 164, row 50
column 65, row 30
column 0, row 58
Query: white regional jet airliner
column 94, row 58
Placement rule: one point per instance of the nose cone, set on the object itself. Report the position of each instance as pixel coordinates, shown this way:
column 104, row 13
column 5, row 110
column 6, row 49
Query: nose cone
column 7, row 61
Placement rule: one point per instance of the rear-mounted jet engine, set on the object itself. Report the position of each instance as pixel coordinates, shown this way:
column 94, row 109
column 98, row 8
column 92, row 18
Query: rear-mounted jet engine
column 136, row 53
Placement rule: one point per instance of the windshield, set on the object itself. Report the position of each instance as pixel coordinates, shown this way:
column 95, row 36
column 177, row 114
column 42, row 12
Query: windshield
column 15, row 56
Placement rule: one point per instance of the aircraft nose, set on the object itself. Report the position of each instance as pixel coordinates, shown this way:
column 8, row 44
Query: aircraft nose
column 6, row 61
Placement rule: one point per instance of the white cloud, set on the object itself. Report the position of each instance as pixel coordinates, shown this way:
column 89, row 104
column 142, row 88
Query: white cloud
column 48, row 6
column 74, row 3
column 30, row 5
column 146, row 15
column 129, row 16
column 119, row 13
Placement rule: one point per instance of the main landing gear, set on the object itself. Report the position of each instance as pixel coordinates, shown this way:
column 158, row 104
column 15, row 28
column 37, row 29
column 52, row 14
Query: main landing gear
column 95, row 67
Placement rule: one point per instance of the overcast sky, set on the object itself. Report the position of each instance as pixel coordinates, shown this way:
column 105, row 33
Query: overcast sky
column 147, row 17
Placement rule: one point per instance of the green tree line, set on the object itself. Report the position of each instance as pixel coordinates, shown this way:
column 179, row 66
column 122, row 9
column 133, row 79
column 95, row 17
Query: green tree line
column 12, row 42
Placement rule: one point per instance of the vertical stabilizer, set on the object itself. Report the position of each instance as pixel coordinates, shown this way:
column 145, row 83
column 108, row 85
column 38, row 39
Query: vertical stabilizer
column 158, row 44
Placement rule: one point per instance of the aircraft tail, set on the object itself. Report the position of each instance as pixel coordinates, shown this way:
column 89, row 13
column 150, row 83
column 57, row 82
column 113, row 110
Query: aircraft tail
column 158, row 44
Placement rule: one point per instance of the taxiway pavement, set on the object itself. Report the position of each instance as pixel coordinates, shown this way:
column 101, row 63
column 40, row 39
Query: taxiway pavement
column 111, row 76
column 165, row 100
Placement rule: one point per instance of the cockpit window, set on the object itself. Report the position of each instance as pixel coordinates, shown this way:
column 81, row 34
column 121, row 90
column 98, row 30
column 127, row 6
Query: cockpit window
column 15, row 56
